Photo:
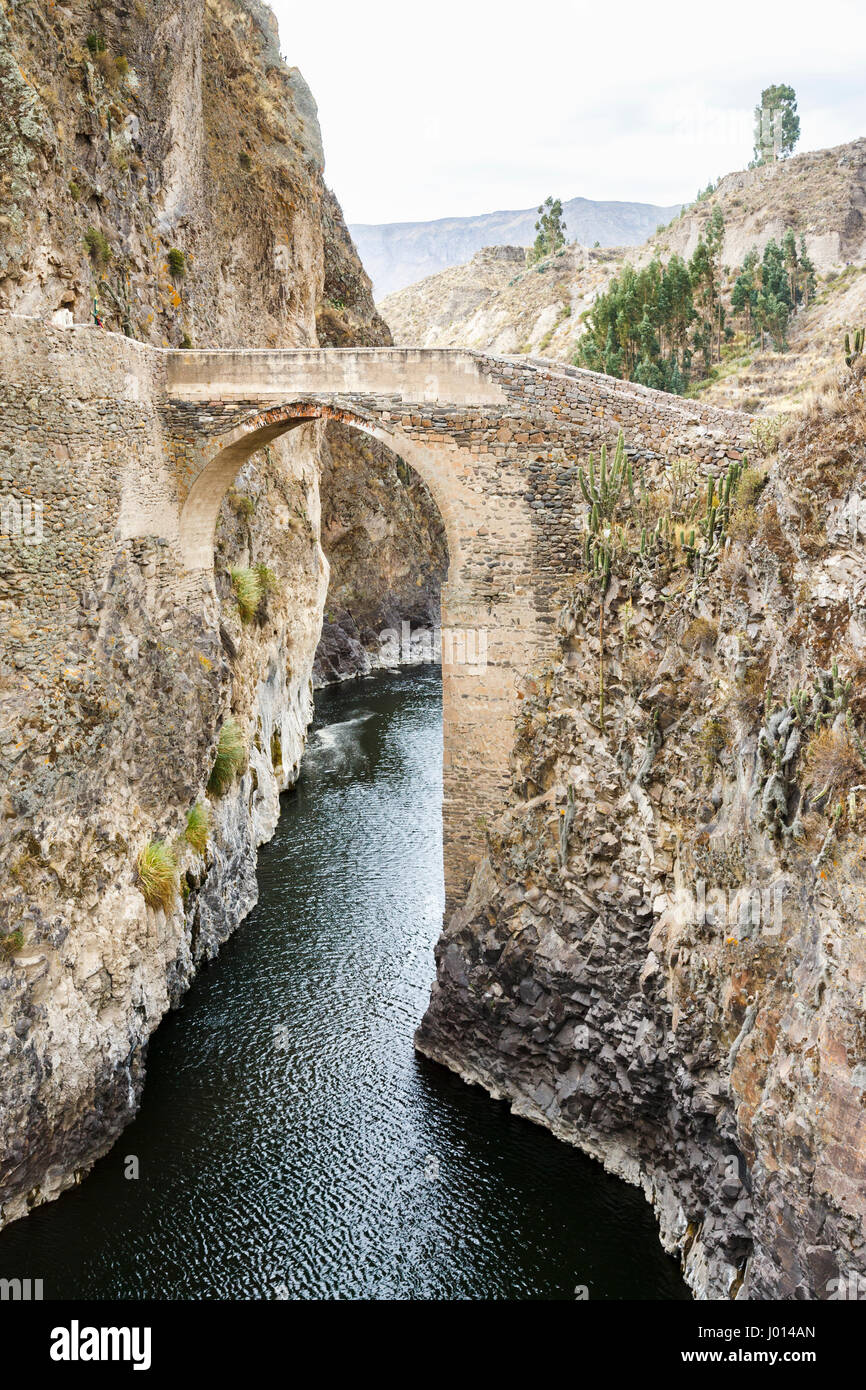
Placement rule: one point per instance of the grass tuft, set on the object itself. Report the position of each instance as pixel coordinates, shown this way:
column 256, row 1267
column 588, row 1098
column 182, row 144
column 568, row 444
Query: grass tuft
column 249, row 593
column 97, row 245
column 833, row 763
column 198, row 827
column 157, row 874
column 230, row 757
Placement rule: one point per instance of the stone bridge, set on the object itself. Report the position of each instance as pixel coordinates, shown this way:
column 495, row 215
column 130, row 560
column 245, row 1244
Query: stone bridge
column 497, row 441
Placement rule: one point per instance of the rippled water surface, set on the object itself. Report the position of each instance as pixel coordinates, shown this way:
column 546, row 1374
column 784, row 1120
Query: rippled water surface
column 290, row 1142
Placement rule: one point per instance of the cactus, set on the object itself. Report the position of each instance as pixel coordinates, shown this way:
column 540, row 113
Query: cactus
column 781, row 738
column 852, row 353
column 714, row 524
column 602, row 491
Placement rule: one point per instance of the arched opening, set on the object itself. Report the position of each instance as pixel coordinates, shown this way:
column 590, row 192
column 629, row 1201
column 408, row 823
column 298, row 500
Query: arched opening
column 385, row 542
column 201, row 507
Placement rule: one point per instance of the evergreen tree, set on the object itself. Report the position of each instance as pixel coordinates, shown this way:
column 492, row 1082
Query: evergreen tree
column 807, row 273
column 744, row 295
column 777, row 125
column 550, row 229
column 706, row 275
column 774, row 298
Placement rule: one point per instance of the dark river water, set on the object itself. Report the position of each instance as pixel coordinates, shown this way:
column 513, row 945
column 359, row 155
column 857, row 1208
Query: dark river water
column 290, row 1142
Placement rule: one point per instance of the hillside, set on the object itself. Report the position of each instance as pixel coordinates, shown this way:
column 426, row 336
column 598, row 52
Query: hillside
column 495, row 302
column 396, row 254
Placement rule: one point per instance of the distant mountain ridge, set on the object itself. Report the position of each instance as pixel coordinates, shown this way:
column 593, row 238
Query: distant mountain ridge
column 397, row 254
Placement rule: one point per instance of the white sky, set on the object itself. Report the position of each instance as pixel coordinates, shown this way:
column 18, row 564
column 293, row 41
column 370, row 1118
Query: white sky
column 465, row 106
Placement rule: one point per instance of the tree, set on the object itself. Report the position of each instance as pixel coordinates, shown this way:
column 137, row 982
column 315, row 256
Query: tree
column 744, row 295
column 706, row 274
column 550, row 228
column 774, row 298
column 639, row 328
column 777, row 125
column 807, row 273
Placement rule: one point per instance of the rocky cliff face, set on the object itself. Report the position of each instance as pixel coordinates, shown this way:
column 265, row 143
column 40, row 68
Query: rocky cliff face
column 162, row 161
column 662, row 957
column 498, row 303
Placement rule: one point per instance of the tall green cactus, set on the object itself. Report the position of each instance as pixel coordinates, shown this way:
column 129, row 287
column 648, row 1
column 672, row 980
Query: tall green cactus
column 851, row 354
column 602, row 490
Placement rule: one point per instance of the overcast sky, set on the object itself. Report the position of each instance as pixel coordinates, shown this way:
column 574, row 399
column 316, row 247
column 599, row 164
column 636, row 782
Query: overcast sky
column 468, row 106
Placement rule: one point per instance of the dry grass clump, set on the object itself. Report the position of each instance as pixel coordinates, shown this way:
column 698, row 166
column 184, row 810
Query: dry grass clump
column 833, row 764
column 751, row 485
column 750, row 692
column 714, row 738
column 639, row 669
column 157, row 874
column 230, row 757
column 744, row 525
column 198, row 827
column 733, row 572
column 701, row 632
column 107, row 67
column 249, row 592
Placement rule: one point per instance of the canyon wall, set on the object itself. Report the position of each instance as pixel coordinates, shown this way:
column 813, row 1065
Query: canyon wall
column 662, row 955
column 160, row 166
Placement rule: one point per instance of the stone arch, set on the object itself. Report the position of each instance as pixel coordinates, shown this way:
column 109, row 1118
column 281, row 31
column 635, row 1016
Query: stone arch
column 200, row 509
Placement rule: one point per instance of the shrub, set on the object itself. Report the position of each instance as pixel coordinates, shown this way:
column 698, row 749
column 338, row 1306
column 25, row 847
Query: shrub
column 176, row 263
column 107, row 68
column 186, row 341
column 121, row 63
column 248, row 591
column 198, row 827
column 74, row 190
column 244, row 161
column 241, row 503
column 12, row 942
column 744, row 524
column 714, row 738
column 699, row 633
column 96, row 43
column 750, row 692
column 230, row 758
column 767, row 433
column 157, row 874
column 97, row 245
column 832, row 763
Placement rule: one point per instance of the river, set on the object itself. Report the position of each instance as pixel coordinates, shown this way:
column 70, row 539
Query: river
column 290, row 1143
